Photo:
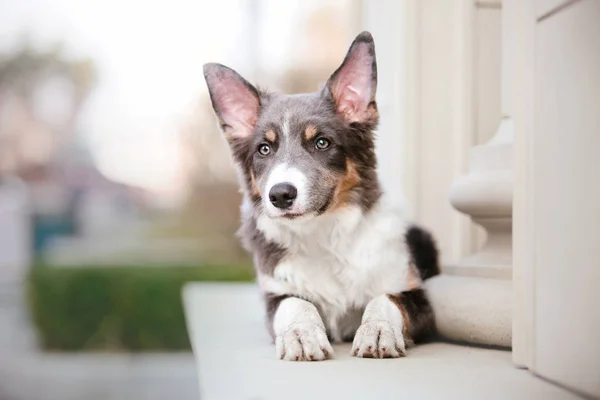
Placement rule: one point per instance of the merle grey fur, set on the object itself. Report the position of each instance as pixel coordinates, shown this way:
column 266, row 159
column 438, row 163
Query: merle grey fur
column 352, row 146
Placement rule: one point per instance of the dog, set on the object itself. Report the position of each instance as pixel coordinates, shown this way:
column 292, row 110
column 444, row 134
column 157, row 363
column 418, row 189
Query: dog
column 335, row 259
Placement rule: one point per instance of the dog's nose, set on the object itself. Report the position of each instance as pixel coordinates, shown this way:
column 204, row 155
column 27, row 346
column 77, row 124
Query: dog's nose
column 283, row 195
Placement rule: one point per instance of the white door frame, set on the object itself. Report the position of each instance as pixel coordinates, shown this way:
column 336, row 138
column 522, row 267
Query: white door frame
column 518, row 103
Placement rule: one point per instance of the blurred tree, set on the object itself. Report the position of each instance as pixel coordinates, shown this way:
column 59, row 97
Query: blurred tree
column 324, row 37
column 322, row 41
column 41, row 95
column 211, row 209
column 206, row 156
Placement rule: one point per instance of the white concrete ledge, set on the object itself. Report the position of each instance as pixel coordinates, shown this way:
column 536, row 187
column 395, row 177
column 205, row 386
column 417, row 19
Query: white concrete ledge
column 236, row 361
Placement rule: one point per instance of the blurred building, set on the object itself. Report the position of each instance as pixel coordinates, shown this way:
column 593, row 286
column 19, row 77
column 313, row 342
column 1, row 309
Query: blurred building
column 42, row 94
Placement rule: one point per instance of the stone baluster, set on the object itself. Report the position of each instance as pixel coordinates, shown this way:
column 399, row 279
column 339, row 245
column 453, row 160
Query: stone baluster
column 472, row 298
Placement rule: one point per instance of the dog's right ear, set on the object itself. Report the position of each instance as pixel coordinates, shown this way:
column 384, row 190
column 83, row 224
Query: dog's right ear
column 235, row 101
column 354, row 83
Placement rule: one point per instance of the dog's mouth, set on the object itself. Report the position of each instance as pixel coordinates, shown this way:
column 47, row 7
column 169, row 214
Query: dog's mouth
column 291, row 216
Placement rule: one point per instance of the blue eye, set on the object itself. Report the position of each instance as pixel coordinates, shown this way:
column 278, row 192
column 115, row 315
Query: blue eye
column 264, row 149
column 322, row 144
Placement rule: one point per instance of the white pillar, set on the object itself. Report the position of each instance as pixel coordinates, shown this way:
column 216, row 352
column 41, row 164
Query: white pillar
column 472, row 299
column 439, row 89
column 390, row 41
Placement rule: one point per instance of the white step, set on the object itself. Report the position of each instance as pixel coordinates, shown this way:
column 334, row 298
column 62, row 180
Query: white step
column 235, row 360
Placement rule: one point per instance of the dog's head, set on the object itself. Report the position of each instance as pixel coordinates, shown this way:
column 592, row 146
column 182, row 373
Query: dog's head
column 306, row 154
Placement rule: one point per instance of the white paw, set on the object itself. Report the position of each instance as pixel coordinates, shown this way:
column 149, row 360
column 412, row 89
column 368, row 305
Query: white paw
column 378, row 339
column 303, row 342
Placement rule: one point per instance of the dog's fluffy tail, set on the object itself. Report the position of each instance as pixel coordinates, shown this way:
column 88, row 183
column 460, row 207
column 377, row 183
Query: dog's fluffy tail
column 423, row 250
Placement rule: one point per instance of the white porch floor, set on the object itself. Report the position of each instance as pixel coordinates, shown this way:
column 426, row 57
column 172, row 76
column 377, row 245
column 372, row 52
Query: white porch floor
column 236, row 361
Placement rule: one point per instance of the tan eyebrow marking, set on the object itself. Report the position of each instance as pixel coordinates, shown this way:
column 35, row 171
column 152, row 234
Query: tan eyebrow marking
column 310, row 132
column 271, row 135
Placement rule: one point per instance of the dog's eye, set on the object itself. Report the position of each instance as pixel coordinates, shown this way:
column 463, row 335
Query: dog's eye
column 322, row 144
column 264, row 149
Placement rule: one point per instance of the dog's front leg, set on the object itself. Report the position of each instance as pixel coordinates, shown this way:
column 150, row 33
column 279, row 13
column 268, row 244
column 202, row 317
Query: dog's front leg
column 300, row 332
column 380, row 334
column 391, row 322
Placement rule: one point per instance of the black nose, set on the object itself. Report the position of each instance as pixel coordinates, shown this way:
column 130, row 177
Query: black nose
column 283, row 195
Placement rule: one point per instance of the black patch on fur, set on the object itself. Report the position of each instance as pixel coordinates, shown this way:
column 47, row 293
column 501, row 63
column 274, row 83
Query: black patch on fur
column 423, row 251
column 416, row 308
column 326, row 204
column 360, row 145
column 348, row 338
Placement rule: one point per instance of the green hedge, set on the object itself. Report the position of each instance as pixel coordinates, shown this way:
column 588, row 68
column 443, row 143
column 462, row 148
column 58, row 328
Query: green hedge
column 117, row 308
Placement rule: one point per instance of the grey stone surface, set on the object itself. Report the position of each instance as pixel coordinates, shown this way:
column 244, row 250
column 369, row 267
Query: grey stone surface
column 29, row 374
column 236, row 361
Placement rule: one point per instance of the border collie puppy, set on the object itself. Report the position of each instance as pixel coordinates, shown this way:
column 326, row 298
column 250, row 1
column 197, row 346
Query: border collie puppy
column 335, row 259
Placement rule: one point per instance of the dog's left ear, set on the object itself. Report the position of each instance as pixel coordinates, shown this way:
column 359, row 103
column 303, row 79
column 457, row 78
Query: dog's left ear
column 235, row 101
column 354, row 83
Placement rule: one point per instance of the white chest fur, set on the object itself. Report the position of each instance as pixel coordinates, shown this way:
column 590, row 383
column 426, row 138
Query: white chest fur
column 340, row 261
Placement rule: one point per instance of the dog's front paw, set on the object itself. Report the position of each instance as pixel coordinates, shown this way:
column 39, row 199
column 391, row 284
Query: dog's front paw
column 303, row 342
column 378, row 339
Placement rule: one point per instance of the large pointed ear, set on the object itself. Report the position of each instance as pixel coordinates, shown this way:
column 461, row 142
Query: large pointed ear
column 235, row 101
column 354, row 83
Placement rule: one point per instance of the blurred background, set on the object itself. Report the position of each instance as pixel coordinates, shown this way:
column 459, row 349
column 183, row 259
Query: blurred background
column 115, row 185
column 116, row 188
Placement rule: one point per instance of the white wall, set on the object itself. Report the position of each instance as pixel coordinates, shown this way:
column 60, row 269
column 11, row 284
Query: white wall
column 555, row 97
column 385, row 21
column 438, row 95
